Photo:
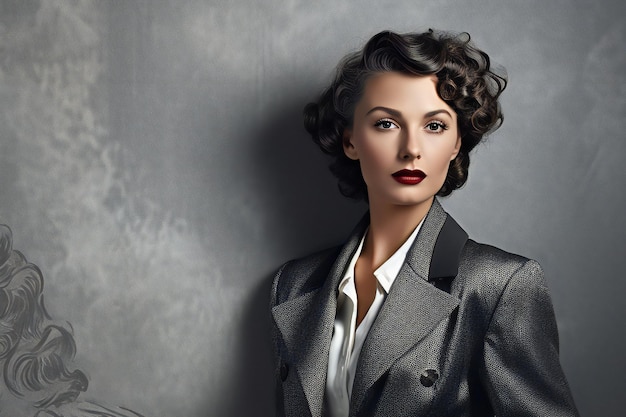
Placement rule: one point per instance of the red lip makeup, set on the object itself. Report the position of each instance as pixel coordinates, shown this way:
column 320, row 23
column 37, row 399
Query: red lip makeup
column 409, row 176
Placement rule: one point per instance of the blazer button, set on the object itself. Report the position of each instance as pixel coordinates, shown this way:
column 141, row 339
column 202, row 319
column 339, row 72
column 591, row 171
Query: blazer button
column 428, row 377
column 284, row 371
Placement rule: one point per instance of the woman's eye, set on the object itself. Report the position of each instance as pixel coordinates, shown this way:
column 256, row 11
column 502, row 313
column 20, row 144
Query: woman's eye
column 436, row 127
column 385, row 124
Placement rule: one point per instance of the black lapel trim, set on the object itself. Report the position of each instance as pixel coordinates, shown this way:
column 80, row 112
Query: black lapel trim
column 444, row 264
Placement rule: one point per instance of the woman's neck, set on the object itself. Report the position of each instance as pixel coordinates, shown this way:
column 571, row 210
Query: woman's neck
column 390, row 226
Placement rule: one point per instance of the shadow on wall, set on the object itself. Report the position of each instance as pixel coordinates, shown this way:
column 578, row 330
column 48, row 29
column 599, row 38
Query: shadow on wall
column 253, row 373
column 35, row 350
column 301, row 198
column 304, row 212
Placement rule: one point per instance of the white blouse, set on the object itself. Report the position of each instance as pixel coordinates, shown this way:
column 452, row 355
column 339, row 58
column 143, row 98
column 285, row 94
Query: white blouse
column 346, row 344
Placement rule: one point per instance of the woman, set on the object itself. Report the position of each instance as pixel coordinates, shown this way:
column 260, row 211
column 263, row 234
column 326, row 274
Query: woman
column 410, row 317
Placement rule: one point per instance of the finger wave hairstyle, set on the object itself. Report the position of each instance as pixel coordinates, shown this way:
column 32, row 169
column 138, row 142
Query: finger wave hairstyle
column 466, row 82
column 34, row 351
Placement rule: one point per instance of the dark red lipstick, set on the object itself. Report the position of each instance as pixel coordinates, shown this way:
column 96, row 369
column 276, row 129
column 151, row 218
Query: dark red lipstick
column 409, row 176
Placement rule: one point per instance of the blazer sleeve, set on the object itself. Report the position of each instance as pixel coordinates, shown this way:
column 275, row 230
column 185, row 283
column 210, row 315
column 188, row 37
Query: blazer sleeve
column 521, row 369
column 278, row 388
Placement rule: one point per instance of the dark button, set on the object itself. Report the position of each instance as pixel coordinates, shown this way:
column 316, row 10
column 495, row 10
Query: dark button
column 284, row 371
column 428, row 377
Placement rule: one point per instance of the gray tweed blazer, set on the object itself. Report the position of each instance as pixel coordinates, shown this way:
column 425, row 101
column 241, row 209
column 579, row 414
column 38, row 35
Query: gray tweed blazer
column 466, row 330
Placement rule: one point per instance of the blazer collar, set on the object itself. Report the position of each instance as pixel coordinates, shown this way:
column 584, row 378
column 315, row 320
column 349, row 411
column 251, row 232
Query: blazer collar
column 412, row 309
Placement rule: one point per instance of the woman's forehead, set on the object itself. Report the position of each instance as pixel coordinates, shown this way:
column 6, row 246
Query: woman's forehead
column 401, row 91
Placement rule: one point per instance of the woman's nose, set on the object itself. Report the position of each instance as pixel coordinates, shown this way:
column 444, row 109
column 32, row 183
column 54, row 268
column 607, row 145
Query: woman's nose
column 410, row 146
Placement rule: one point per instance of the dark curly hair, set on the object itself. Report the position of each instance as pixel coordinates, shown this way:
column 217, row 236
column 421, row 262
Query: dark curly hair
column 466, row 82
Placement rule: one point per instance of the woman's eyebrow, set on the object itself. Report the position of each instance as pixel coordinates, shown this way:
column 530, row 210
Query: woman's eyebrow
column 397, row 113
column 436, row 112
column 392, row 112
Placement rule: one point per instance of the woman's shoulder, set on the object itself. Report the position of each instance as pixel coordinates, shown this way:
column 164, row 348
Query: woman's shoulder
column 489, row 258
column 308, row 263
column 304, row 274
column 488, row 271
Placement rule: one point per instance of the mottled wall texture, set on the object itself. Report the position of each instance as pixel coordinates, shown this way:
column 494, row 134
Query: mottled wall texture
column 153, row 165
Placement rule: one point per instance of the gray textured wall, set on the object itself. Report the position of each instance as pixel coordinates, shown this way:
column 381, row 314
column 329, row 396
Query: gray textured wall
column 153, row 164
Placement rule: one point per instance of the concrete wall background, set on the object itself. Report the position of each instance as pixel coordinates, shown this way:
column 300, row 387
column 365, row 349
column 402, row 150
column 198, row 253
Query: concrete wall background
column 153, row 165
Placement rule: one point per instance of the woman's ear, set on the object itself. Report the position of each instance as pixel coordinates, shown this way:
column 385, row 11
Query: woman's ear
column 348, row 147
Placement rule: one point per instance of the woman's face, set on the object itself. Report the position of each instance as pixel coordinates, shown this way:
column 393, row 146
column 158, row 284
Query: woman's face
column 404, row 137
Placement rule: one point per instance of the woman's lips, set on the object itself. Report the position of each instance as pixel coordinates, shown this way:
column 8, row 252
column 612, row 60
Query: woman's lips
column 409, row 176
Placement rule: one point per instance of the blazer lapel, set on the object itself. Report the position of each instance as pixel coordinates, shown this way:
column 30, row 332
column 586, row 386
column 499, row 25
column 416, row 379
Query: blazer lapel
column 414, row 306
column 306, row 325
